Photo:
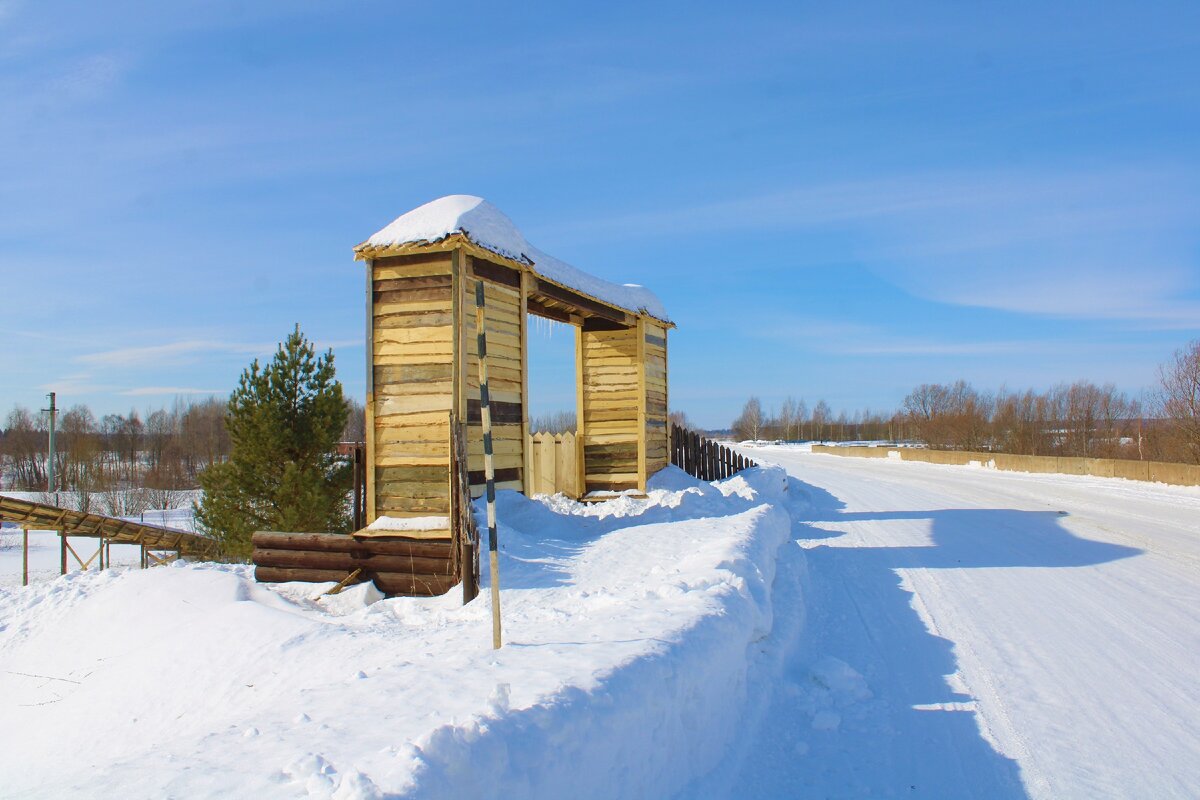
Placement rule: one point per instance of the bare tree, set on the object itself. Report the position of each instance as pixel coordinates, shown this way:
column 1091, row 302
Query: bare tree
column 24, row 449
column 680, row 418
column 787, row 419
column 1179, row 400
column 356, row 422
column 749, row 423
column 821, row 415
column 558, row 422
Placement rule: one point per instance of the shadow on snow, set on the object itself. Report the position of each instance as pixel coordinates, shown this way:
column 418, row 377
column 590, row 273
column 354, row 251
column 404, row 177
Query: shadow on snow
column 899, row 728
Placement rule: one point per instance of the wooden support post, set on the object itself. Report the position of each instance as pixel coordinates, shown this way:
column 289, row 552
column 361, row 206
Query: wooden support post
column 489, row 469
column 369, row 413
column 144, row 565
column 526, row 456
column 62, row 552
column 25, row 556
column 640, row 350
column 581, row 427
column 357, row 503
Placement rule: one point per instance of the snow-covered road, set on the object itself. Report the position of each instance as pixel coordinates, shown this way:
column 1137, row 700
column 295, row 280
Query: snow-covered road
column 973, row 633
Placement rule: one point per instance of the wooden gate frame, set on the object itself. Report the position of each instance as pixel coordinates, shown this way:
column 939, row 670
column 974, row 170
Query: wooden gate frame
column 420, row 359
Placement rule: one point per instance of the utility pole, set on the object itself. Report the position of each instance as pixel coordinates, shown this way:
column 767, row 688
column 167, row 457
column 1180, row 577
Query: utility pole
column 51, row 485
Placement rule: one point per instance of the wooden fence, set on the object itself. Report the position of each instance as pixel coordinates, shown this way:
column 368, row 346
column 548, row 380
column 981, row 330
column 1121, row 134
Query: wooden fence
column 1153, row 471
column 554, row 464
column 703, row 458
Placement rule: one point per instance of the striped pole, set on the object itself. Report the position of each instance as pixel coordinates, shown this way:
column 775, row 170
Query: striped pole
column 489, row 469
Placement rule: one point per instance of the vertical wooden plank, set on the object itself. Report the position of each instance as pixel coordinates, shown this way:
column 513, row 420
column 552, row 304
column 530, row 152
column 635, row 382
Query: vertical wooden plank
column 641, row 409
column 369, row 414
column 24, row 556
column 580, row 420
column 526, row 459
column 565, row 465
column 460, row 287
column 356, row 503
column 62, row 552
column 546, row 464
column 667, row 383
column 531, row 466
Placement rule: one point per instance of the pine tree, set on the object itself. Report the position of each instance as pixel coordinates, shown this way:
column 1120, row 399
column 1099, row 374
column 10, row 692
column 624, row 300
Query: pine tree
column 284, row 421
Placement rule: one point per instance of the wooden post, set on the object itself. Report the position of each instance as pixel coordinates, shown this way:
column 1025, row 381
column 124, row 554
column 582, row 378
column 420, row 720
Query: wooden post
column 62, row 552
column 369, row 413
column 25, row 556
column 640, row 330
column 489, row 469
column 526, row 445
column 144, row 559
column 358, row 487
column 580, row 412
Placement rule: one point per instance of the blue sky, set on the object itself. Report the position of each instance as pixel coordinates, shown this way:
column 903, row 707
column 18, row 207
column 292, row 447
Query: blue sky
column 833, row 200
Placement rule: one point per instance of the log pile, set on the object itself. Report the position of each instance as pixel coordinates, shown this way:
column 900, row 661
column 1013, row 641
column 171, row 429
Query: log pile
column 397, row 565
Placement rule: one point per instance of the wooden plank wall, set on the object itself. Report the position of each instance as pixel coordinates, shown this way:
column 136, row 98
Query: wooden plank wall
column 505, row 321
column 412, row 351
column 609, row 385
column 655, row 386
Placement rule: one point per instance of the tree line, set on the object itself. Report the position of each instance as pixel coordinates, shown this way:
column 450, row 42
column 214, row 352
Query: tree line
column 794, row 421
column 1080, row 419
column 123, row 464
column 163, row 450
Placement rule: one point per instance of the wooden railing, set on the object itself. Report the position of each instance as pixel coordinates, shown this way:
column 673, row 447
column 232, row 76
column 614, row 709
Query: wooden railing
column 703, row 458
column 554, row 464
column 464, row 534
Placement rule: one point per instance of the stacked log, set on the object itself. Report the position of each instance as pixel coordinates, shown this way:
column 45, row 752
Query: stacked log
column 397, row 565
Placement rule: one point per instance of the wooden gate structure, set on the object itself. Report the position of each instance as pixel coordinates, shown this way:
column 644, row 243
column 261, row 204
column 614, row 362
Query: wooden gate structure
column 421, row 272
column 424, row 440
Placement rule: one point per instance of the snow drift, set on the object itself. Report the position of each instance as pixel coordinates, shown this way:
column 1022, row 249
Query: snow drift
column 629, row 628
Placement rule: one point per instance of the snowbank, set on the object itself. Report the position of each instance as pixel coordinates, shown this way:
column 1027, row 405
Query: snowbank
column 489, row 228
column 628, row 629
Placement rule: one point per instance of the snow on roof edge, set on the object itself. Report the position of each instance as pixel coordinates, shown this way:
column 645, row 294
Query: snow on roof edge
column 489, row 228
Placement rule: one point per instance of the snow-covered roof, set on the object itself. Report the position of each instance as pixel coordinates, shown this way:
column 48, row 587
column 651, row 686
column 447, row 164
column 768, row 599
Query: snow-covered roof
column 488, row 227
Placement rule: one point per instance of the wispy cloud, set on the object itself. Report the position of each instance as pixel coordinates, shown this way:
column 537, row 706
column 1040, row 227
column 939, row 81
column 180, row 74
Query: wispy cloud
column 1115, row 243
column 855, row 339
column 145, row 391
column 173, row 353
column 77, row 384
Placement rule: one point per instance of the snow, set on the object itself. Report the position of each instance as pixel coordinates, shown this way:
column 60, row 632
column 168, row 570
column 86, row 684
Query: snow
column 973, row 633
column 386, row 523
column 489, row 228
column 628, row 625
column 880, row 629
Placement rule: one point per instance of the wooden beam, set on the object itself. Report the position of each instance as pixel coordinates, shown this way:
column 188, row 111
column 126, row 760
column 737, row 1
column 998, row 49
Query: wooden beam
column 526, row 477
column 369, row 410
column 579, row 301
column 641, row 407
column 580, row 413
